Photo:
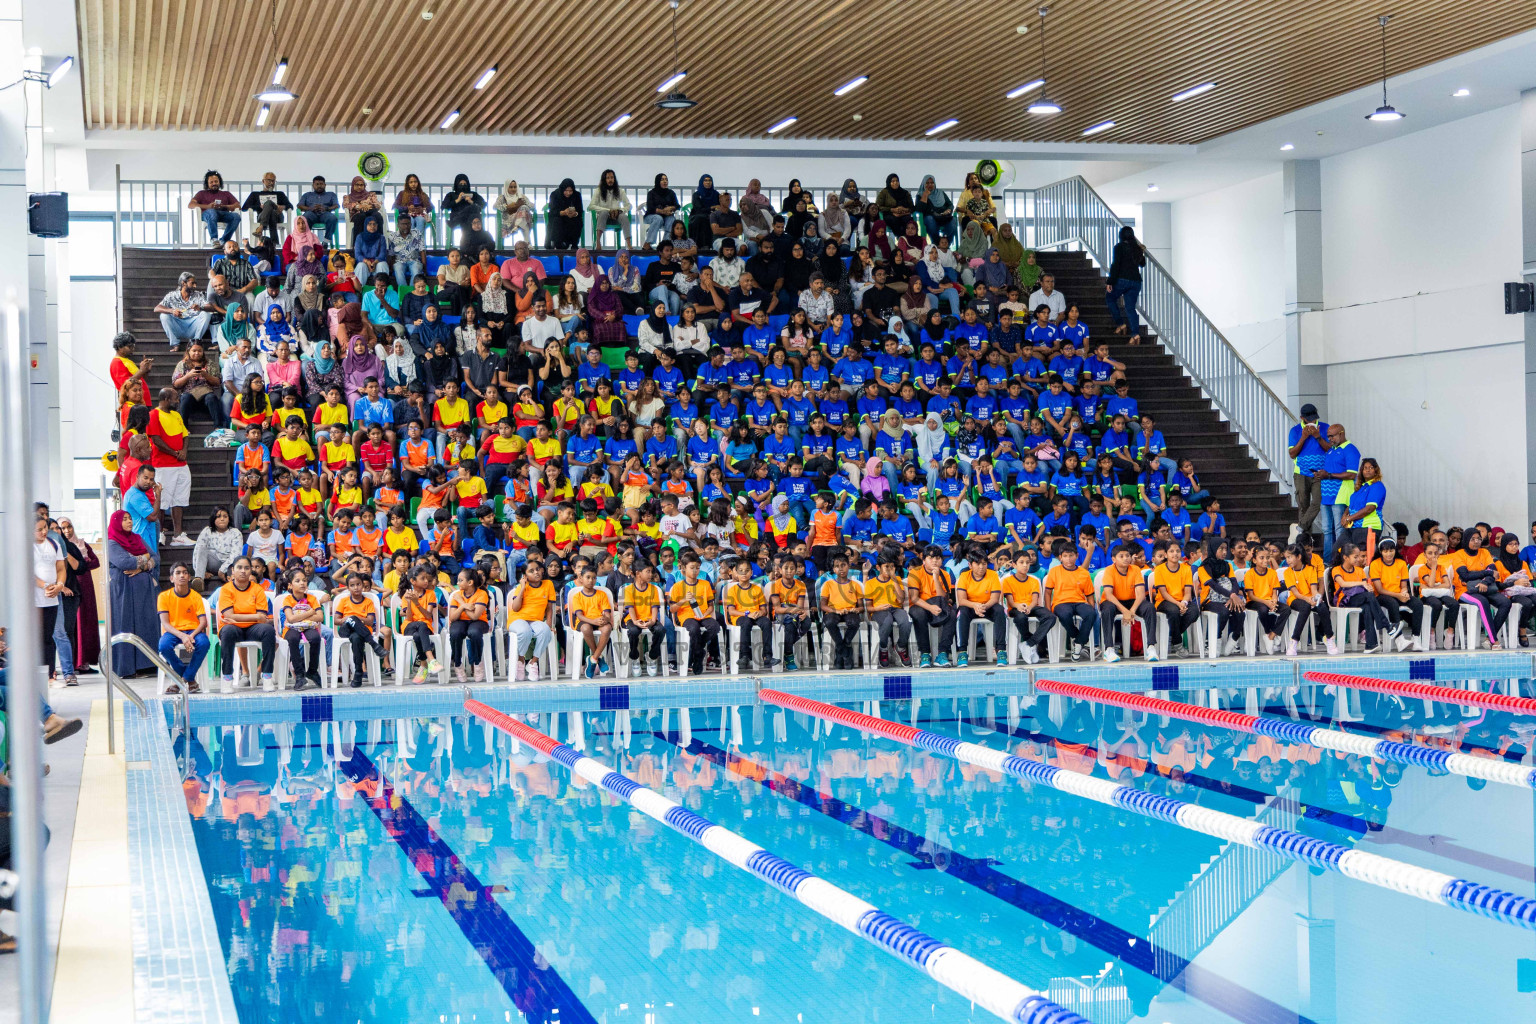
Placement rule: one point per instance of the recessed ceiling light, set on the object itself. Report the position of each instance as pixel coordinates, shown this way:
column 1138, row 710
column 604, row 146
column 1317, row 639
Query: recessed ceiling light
column 618, row 122
column 1459, row 93
column 262, row 115
column 858, row 117
column 1151, row 187
column 1021, row 29
column 367, row 111
column 448, row 121
column 1026, row 87
column 677, row 76
column 426, row 15
column 485, row 78
column 850, row 85
column 1102, row 126
column 1287, row 148
column 1190, row 93
column 942, row 126
column 782, row 125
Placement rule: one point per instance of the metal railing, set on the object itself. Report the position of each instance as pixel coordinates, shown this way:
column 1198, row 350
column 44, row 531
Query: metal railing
column 1070, row 213
column 1220, row 892
column 155, row 213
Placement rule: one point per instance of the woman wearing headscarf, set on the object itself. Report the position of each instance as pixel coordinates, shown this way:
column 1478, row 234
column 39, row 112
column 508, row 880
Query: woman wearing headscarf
column 308, row 262
column 359, row 201
column 1010, row 249
column 792, row 194
column 515, row 208
column 853, row 203
column 834, row 223
column 361, row 362
column 973, row 242
column 895, row 205
column 462, row 204
column 309, row 312
column 414, row 202
column 605, row 312
column 991, row 271
column 495, row 310
column 754, row 196
column 235, row 326
column 431, row 331
column 563, row 223
column 933, row 447
column 400, row 370
column 626, row 280
column 275, row 329
column 321, row 373
column 301, row 238
column 654, row 334
column 442, row 366
column 132, row 589
column 80, row 562
column 799, row 216
column 936, row 210
column 705, row 198
column 660, row 212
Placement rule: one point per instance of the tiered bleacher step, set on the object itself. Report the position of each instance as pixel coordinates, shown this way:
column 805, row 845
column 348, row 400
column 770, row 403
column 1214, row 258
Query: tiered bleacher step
column 1250, row 498
column 147, row 275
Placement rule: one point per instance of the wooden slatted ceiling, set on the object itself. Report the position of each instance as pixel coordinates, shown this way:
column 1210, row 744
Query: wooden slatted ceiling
column 570, row 68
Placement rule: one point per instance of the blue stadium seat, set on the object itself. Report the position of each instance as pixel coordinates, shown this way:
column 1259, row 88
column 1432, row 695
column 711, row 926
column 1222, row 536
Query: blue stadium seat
column 552, row 265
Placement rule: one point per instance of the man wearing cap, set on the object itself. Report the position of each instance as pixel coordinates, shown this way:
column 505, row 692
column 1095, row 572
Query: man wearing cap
column 1309, row 447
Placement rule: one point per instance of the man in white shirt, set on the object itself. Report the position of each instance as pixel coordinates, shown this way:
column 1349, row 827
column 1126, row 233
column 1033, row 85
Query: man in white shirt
column 541, row 329
column 1047, row 295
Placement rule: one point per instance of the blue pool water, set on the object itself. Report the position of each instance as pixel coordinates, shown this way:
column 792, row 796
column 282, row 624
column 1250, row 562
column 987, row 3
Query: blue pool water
column 408, row 870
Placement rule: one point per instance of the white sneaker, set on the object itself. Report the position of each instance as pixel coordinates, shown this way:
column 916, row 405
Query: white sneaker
column 533, row 670
column 1292, row 534
column 229, row 683
column 1403, row 641
column 181, row 540
column 1152, row 653
column 1110, row 655
column 517, row 669
column 1232, row 645
column 1331, row 645
column 653, row 668
column 1030, row 655
column 1290, row 648
column 266, row 680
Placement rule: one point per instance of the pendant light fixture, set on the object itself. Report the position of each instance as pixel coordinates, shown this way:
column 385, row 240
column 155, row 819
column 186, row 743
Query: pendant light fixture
column 277, row 92
column 1043, row 103
column 676, row 99
column 1385, row 112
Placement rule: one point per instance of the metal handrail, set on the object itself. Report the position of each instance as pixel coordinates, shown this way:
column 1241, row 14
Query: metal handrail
column 148, row 652
column 183, row 712
column 1071, row 212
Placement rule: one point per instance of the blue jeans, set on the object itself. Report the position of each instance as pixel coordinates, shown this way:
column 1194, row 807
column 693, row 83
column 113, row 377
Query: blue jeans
column 934, row 230
column 189, row 328
column 365, row 275
column 405, row 272
column 1129, row 292
column 1333, row 529
column 188, row 669
column 229, row 218
column 667, row 297
column 949, row 297
column 802, row 513
column 658, row 227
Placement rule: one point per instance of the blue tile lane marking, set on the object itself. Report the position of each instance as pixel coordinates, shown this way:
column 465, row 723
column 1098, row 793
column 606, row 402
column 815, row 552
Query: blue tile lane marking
column 1165, row 677
column 316, row 708
column 614, row 698
column 898, row 687
column 533, row 985
column 1422, row 668
column 1135, row 951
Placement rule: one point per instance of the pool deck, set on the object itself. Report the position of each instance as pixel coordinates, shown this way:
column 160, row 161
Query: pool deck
column 138, row 942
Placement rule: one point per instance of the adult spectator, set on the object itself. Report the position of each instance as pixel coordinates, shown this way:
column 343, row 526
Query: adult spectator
column 563, row 222
column 475, row 239
column 1427, row 528
column 609, row 203
column 1336, row 482
column 405, row 250
column 197, row 378
column 1047, row 295
column 245, row 616
column 218, row 208
column 519, row 265
column 656, row 283
column 185, row 312
column 222, row 298
column 319, row 206
column 269, row 296
column 126, row 373
column 1124, row 285
column 370, row 249
column 85, row 633
column 724, row 223
column 413, row 201
column 660, row 211
column 133, row 559
column 1366, row 503
column 515, row 208
column 235, row 269
column 239, row 364
column 270, row 205
column 218, row 545
column 168, row 433
column 359, row 202
column 1308, row 447
column 462, row 204
column 49, row 581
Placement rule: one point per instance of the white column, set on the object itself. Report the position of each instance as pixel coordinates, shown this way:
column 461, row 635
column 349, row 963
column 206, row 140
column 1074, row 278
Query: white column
column 1157, row 232
column 1303, row 214
column 1528, row 271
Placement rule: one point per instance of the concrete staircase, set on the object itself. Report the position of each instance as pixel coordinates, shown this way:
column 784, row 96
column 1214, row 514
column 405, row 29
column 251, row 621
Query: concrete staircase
column 147, row 275
column 1250, row 499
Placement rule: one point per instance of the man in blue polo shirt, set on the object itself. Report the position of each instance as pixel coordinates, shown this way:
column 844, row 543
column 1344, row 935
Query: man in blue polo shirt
column 1336, row 484
column 1308, row 443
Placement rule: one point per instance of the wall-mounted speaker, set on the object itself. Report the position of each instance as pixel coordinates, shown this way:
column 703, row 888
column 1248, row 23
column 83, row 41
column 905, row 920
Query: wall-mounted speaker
column 48, row 214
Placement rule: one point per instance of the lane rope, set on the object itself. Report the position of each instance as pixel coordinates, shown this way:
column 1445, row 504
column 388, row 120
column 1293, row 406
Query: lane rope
column 975, row 981
column 1447, row 694
column 1303, row 732
column 1432, row 886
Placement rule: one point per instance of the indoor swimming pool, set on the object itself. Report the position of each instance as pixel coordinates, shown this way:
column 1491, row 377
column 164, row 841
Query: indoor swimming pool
column 398, row 870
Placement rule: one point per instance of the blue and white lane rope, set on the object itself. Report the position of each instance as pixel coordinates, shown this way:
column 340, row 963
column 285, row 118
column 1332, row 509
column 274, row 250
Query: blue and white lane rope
column 1302, row 732
column 1409, row 879
column 982, row 985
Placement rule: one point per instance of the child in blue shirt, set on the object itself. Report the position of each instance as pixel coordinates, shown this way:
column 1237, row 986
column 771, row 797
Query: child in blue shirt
column 1177, row 517
column 1211, row 522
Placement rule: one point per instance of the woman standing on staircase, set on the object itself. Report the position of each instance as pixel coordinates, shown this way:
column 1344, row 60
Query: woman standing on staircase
column 1125, row 283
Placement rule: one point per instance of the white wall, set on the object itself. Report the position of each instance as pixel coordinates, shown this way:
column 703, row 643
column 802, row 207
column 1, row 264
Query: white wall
column 1227, row 254
column 93, row 308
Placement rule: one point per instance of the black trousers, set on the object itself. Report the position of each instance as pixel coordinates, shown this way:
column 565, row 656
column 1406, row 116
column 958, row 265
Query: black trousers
column 924, row 621
column 794, row 628
column 1044, row 623
column 658, row 635
column 700, row 633
column 1372, row 618
column 261, row 632
column 896, row 623
column 844, row 627
column 1495, row 608
column 1179, row 622
column 356, row 632
column 744, row 626
column 1226, row 622
column 994, row 615
column 295, row 637
column 1269, row 621
column 1077, row 619
column 471, row 632
column 422, row 634
column 1109, row 615
column 1322, row 621
column 51, row 649
column 1438, row 607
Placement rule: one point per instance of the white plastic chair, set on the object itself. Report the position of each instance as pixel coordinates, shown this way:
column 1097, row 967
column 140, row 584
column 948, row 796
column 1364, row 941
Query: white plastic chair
column 405, row 645
column 1342, row 619
column 1056, row 644
column 445, row 643
column 1196, row 635
column 575, row 641
column 252, row 656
